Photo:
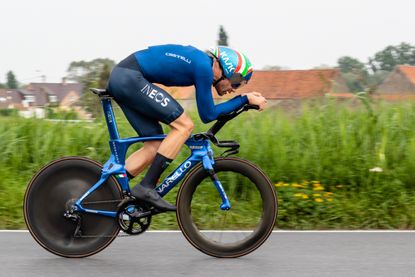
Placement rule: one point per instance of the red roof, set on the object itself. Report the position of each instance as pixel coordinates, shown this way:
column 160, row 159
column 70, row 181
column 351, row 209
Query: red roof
column 280, row 84
column 285, row 84
column 409, row 72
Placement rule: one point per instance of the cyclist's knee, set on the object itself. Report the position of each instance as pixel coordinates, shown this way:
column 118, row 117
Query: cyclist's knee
column 183, row 124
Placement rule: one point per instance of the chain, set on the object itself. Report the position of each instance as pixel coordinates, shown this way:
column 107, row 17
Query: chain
column 123, row 235
column 98, row 236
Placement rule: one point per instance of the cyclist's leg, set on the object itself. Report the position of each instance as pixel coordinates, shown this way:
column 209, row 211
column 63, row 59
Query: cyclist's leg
column 125, row 86
column 146, row 101
column 148, row 104
column 181, row 129
column 142, row 158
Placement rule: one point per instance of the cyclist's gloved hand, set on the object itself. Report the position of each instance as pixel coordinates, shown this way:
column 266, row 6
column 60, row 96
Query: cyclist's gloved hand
column 256, row 98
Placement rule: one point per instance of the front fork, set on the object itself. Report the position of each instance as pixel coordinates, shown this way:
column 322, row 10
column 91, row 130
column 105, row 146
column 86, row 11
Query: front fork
column 208, row 162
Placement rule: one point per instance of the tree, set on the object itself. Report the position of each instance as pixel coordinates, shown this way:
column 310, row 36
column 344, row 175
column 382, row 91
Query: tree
column 348, row 64
column 91, row 74
column 3, row 86
column 375, row 79
column 223, row 37
column 391, row 56
column 88, row 72
column 11, row 80
column 354, row 72
column 104, row 76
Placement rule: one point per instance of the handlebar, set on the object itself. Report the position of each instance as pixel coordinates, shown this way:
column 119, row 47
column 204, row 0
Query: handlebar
column 221, row 121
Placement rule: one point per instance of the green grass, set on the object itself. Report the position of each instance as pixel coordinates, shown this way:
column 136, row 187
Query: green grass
column 334, row 144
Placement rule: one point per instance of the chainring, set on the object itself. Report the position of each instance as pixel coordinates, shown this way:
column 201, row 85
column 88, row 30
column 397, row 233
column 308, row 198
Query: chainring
column 133, row 218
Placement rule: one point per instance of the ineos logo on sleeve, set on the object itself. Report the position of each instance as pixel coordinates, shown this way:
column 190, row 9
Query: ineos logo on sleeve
column 156, row 95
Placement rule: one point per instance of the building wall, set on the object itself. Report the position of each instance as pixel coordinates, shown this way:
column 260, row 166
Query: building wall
column 396, row 83
column 69, row 100
column 339, row 85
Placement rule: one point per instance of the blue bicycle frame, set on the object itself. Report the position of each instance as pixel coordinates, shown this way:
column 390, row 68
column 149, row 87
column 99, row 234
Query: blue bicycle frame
column 200, row 152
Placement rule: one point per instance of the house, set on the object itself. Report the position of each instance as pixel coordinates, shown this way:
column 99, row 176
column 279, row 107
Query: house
column 280, row 85
column 63, row 95
column 296, row 84
column 11, row 99
column 400, row 81
column 31, row 100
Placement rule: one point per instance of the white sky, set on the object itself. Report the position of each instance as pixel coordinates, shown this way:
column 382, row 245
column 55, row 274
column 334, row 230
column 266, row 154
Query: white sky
column 44, row 36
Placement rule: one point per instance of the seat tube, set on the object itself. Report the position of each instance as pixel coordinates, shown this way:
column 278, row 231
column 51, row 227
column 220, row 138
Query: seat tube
column 110, row 118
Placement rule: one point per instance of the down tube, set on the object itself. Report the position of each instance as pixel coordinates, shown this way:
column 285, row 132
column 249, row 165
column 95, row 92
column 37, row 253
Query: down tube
column 178, row 174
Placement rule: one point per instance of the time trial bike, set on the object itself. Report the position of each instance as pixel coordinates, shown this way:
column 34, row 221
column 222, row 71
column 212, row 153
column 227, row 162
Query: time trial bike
column 226, row 206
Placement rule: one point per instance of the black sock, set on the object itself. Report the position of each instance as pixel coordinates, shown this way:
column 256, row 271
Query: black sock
column 159, row 164
column 129, row 175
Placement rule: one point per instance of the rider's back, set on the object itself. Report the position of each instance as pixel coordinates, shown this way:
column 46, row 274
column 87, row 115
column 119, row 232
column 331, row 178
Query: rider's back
column 174, row 65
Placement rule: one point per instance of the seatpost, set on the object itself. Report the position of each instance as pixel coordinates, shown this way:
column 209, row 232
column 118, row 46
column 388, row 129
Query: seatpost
column 109, row 117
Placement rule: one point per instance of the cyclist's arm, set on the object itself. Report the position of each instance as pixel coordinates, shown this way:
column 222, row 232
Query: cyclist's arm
column 208, row 111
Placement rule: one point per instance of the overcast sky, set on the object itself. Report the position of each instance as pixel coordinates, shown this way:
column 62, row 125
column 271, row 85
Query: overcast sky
column 42, row 37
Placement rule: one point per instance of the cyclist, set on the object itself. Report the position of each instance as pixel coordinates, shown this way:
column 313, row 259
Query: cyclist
column 145, row 104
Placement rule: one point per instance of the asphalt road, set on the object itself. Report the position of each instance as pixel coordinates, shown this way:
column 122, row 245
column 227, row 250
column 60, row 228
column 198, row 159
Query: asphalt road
column 169, row 254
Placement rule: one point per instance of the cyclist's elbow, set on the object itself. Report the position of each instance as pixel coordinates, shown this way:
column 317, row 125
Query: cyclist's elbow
column 207, row 118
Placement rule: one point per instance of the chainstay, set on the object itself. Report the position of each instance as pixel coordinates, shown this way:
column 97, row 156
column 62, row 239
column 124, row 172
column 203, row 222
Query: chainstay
column 101, row 202
column 100, row 236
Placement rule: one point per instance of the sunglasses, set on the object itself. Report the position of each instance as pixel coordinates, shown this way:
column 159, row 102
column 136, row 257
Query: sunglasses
column 237, row 81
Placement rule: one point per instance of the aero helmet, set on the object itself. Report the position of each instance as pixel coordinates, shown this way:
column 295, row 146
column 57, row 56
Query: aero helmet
column 235, row 65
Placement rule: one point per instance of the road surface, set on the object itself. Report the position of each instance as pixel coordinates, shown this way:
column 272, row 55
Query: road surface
column 169, row 254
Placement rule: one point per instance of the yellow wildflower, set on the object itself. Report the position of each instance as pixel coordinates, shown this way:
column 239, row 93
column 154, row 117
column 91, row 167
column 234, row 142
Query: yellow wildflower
column 328, row 194
column 301, row 195
column 330, row 199
column 318, row 188
column 316, row 194
column 339, row 186
column 318, row 200
column 295, row 185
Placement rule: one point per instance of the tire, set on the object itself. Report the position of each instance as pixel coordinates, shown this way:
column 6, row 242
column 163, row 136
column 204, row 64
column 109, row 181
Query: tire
column 250, row 220
column 53, row 190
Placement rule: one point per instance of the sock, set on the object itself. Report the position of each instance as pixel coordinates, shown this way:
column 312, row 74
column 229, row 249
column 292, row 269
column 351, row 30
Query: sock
column 159, row 164
column 129, row 175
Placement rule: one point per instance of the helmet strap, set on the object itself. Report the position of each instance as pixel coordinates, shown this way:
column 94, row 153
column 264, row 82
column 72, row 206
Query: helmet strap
column 221, row 68
column 218, row 80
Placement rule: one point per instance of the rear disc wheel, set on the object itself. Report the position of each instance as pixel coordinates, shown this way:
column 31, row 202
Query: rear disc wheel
column 53, row 190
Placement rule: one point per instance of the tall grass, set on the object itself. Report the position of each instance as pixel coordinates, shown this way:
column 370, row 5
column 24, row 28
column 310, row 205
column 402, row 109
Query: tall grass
column 334, row 144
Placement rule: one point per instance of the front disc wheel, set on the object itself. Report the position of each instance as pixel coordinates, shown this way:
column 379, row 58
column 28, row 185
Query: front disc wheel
column 227, row 233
